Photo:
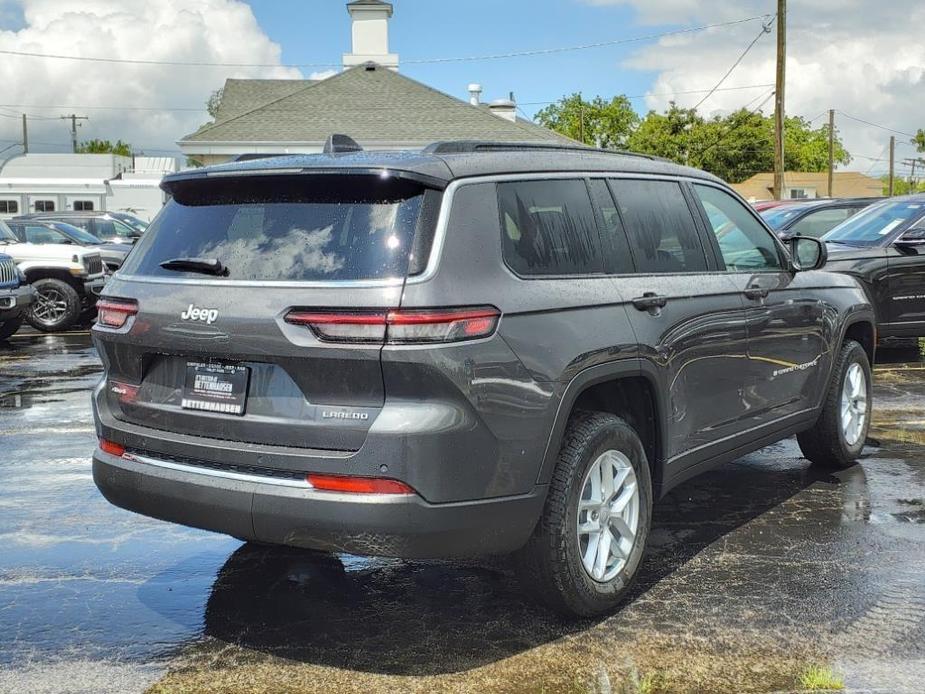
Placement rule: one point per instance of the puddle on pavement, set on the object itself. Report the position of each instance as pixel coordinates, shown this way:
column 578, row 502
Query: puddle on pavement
column 756, row 570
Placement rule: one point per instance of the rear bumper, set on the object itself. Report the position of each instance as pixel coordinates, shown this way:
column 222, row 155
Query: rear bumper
column 404, row 526
column 14, row 302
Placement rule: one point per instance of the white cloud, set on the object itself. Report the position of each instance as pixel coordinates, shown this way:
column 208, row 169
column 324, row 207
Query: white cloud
column 178, row 30
column 866, row 59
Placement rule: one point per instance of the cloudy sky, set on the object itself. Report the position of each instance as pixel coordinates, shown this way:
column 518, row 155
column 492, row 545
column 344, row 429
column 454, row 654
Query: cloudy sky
column 863, row 58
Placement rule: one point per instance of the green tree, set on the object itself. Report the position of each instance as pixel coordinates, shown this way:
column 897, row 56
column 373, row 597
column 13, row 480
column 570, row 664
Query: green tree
column 671, row 135
column 919, row 140
column 901, row 186
column 598, row 122
column 215, row 100
column 807, row 149
column 733, row 147
column 105, row 147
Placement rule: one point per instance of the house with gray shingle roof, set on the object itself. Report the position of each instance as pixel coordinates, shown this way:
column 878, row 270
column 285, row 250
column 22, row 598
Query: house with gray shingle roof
column 369, row 100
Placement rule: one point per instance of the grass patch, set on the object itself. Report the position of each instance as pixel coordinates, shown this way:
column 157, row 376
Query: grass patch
column 818, row 678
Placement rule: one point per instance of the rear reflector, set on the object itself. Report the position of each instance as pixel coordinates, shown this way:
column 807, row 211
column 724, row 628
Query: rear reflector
column 112, row 448
column 114, row 313
column 358, row 485
column 400, row 327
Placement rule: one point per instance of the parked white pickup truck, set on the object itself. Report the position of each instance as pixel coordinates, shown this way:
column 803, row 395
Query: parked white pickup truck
column 66, row 279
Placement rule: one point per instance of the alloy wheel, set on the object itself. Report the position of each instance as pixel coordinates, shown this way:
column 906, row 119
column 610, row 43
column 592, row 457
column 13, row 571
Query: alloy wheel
column 608, row 515
column 854, row 404
column 50, row 306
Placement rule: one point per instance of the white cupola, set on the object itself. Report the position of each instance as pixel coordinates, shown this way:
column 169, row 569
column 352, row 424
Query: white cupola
column 370, row 34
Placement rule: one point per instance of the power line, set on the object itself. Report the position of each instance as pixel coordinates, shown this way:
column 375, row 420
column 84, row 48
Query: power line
column 419, row 61
column 647, row 95
column 100, row 108
column 875, row 125
column 765, row 29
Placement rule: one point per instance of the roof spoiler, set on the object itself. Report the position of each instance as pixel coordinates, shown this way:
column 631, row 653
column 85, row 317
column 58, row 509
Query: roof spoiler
column 341, row 144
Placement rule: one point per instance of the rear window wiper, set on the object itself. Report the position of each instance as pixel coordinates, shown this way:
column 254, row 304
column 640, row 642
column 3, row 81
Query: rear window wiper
column 207, row 266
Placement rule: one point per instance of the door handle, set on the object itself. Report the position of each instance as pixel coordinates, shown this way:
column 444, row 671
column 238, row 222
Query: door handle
column 649, row 301
column 757, row 292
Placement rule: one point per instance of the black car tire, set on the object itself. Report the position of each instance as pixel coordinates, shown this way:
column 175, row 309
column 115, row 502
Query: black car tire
column 825, row 444
column 70, row 312
column 550, row 565
column 9, row 328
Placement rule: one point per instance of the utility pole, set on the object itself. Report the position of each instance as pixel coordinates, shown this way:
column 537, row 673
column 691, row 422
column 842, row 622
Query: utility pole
column 25, row 135
column 831, row 148
column 779, row 99
column 74, row 118
column 892, row 162
column 581, row 118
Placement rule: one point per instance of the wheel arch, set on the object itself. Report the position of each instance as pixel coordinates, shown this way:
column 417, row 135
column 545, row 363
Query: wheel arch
column 35, row 274
column 629, row 389
column 861, row 328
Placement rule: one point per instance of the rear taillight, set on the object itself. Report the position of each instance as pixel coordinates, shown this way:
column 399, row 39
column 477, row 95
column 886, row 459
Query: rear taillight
column 114, row 313
column 112, row 448
column 400, row 327
column 357, row 485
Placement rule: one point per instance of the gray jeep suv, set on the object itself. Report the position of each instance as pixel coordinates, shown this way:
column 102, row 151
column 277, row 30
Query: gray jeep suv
column 475, row 349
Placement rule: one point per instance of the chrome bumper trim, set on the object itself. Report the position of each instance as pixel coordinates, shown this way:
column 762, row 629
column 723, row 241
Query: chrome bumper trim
column 223, row 474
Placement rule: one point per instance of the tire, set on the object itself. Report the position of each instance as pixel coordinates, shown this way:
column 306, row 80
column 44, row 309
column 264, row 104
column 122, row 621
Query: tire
column 9, row 328
column 829, row 443
column 62, row 314
column 551, row 565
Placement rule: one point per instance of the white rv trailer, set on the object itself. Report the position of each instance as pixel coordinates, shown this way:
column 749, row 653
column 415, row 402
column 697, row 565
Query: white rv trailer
column 66, row 182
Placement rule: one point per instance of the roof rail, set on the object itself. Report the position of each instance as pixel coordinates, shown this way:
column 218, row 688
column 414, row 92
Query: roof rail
column 474, row 146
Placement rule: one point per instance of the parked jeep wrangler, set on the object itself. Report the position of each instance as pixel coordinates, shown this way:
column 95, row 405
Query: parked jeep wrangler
column 66, row 279
column 476, row 349
column 15, row 297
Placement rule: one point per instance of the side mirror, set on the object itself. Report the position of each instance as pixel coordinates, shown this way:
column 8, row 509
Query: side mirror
column 807, row 253
column 912, row 237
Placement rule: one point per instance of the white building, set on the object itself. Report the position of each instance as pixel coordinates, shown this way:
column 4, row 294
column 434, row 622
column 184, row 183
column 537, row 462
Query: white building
column 369, row 100
column 64, row 182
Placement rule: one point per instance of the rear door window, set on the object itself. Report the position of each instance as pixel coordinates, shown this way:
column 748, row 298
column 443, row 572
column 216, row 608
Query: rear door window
column 302, row 228
column 660, row 226
column 548, row 228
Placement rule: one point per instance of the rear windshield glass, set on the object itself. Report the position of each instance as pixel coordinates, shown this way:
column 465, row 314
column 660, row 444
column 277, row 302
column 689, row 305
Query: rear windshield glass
column 298, row 228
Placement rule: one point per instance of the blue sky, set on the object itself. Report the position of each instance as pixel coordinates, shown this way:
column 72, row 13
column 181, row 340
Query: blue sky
column 864, row 59
column 319, row 32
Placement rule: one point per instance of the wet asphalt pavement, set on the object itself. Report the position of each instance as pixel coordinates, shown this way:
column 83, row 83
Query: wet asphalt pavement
column 758, row 571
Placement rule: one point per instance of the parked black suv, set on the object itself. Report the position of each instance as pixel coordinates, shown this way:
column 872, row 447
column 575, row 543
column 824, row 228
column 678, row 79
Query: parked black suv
column 884, row 248
column 813, row 217
column 475, row 349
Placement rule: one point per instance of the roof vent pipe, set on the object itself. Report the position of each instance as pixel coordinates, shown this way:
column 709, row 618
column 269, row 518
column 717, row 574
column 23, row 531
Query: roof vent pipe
column 475, row 94
column 504, row 108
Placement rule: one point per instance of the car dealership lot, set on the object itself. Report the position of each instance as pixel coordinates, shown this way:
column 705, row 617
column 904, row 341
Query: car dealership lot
column 759, row 570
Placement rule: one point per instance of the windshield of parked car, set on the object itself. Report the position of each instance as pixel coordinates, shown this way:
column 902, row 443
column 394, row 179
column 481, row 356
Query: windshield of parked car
column 777, row 217
column 6, row 234
column 132, row 221
column 871, row 226
column 78, row 234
